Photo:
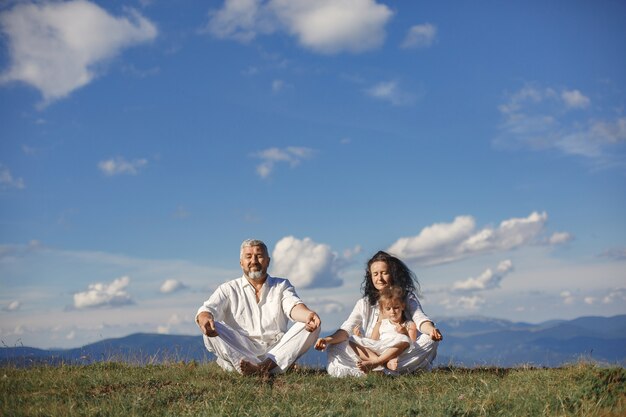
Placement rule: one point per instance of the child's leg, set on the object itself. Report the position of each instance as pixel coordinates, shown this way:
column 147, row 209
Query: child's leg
column 363, row 352
column 389, row 358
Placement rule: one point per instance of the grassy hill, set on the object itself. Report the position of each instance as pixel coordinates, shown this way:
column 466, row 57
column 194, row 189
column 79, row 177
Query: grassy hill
column 189, row 389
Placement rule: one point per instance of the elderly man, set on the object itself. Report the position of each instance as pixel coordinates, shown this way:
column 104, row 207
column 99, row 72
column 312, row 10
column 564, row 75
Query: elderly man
column 246, row 321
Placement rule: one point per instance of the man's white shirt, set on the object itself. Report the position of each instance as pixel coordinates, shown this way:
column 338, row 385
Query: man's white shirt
column 234, row 303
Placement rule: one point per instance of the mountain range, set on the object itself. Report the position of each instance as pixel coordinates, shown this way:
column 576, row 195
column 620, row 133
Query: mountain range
column 468, row 341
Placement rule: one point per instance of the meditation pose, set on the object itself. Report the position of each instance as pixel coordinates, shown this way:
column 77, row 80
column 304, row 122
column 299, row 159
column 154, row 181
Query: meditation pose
column 392, row 334
column 246, row 321
column 382, row 271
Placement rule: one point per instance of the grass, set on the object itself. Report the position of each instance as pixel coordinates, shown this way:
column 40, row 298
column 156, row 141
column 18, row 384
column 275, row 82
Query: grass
column 190, row 389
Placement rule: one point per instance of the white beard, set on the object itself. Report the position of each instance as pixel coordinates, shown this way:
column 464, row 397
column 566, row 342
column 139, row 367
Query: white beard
column 255, row 275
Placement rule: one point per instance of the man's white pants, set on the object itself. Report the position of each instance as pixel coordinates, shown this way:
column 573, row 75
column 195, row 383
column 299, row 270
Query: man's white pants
column 231, row 347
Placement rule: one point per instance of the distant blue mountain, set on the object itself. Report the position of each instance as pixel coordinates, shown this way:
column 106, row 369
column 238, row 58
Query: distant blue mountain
column 139, row 348
column 477, row 341
column 470, row 341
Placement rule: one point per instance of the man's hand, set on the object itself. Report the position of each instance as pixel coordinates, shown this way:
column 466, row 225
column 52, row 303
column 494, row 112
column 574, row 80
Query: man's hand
column 313, row 321
column 206, row 324
column 303, row 314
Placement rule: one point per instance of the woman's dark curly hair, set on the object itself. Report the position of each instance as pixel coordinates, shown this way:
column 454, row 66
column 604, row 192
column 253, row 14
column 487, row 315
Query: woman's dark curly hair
column 401, row 276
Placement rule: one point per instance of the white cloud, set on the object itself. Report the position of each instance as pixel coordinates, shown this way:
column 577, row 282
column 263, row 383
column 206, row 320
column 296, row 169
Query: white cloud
column 558, row 238
column 389, row 91
column 420, row 36
column 489, row 279
column 575, row 99
column 325, row 26
column 568, row 297
column 291, row 155
column 172, row 285
column 119, row 165
column 590, row 300
column 8, row 181
column 99, row 294
column 242, row 20
column 305, row 263
column 618, row 294
column 446, row 242
column 348, row 254
column 616, row 254
column 538, row 119
column 324, row 306
column 56, row 46
column 174, row 320
column 608, row 132
column 277, row 85
column 17, row 250
column 331, row 26
column 472, row 303
column 13, row 306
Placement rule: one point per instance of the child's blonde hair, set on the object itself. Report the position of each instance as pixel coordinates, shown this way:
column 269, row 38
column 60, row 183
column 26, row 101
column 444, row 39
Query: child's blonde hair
column 390, row 294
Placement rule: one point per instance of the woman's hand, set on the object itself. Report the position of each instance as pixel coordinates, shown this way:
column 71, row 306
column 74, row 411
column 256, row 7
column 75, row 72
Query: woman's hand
column 322, row 343
column 429, row 328
column 436, row 335
column 337, row 337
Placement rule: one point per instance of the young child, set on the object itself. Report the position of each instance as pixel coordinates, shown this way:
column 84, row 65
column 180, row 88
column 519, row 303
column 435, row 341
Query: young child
column 391, row 335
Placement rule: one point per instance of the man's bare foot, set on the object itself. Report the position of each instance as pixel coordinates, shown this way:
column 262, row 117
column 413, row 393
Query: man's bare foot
column 367, row 366
column 392, row 364
column 249, row 368
column 262, row 369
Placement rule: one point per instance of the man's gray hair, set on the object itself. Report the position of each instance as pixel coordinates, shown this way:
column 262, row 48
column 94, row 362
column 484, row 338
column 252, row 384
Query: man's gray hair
column 252, row 242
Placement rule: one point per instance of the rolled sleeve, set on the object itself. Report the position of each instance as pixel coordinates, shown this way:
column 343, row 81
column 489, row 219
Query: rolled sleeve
column 214, row 305
column 289, row 298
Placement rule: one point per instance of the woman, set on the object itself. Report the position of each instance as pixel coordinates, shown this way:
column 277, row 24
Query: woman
column 382, row 271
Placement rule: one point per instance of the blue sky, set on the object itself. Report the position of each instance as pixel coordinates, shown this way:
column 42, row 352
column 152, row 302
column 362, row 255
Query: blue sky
column 142, row 141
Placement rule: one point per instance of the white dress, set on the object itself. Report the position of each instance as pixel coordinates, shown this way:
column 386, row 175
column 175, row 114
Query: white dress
column 389, row 337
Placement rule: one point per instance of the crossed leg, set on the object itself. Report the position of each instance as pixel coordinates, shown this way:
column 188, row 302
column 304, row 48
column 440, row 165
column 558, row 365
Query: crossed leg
column 370, row 360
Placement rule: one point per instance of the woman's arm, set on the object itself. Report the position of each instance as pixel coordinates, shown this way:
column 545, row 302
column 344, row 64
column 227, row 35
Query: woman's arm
column 337, row 337
column 343, row 333
column 423, row 322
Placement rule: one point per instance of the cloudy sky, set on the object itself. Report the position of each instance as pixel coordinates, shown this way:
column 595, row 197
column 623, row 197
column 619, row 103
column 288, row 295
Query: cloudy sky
column 482, row 142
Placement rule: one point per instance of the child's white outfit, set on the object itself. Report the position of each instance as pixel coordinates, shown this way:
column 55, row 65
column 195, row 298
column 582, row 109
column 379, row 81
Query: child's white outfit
column 389, row 337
